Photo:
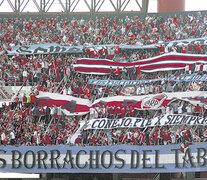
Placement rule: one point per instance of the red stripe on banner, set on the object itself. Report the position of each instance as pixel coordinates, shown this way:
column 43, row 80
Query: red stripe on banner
column 76, row 106
column 92, row 69
column 166, row 102
column 130, row 104
column 163, row 65
column 199, row 99
column 166, row 58
column 70, row 106
column 107, row 70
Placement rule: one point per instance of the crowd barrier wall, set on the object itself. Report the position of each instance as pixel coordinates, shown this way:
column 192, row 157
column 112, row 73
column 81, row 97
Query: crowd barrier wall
column 103, row 159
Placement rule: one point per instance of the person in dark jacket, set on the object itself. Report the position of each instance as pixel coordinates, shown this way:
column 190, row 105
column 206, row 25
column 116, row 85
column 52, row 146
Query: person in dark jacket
column 36, row 114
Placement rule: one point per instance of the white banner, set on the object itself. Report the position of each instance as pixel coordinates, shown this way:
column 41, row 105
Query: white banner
column 153, row 101
column 133, row 122
column 69, row 105
column 77, row 106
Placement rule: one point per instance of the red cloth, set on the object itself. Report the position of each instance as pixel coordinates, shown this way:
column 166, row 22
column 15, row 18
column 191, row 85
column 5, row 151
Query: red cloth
column 33, row 99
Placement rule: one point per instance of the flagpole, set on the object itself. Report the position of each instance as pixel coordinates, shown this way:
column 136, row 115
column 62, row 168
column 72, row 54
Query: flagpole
column 48, row 126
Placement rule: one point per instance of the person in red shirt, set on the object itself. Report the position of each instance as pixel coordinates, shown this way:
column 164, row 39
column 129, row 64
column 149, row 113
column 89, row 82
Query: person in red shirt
column 33, row 99
column 44, row 88
column 198, row 48
column 138, row 72
column 88, row 92
column 123, row 112
column 155, row 138
column 117, row 51
column 48, row 140
column 117, row 73
column 183, row 49
column 161, row 48
column 90, row 140
column 197, row 110
column 141, row 138
column 24, row 99
column 189, row 48
column 165, row 137
column 23, row 113
column 131, row 111
column 118, row 111
column 43, row 140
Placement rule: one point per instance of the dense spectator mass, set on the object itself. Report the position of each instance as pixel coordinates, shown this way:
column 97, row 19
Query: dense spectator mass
column 24, row 123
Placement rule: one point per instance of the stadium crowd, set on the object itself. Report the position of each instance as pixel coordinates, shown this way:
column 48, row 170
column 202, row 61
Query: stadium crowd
column 24, row 123
column 31, row 125
column 141, row 30
column 129, row 30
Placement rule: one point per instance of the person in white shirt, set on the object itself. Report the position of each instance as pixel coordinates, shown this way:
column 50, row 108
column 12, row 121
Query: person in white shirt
column 189, row 109
column 173, row 138
column 82, row 22
column 12, row 138
column 70, row 92
column 187, row 69
column 64, row 91
column 24, row 74
column 36, row 136
column 123, row 29
column 52, row 112
column 142, row 90
column 205, row 68
column 169, row 110
column 138, row 90
column 151, row 89
column 92, row 113
column 100, row 92
column 180, row 108
column 3, row 136
column 13, row 97
column 68, row 71
column 147, row 89
column 59, row 113
column 197, row 67
column 128, row 135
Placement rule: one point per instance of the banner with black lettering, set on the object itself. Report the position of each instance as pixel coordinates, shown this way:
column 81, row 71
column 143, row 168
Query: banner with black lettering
column 56, row 48
column 165, row 62
column 44, row 49
column 184, row 78
column 133, row 122
column 103, row 159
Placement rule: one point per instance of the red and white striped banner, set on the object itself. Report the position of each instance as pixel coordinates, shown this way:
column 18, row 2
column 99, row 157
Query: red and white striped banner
column 76, row 106
column 70, row 105
column 165, row 62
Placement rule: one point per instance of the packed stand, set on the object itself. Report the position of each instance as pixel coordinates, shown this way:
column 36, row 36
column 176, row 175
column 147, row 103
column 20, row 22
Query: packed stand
column 140, row 30
column 55, row 73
